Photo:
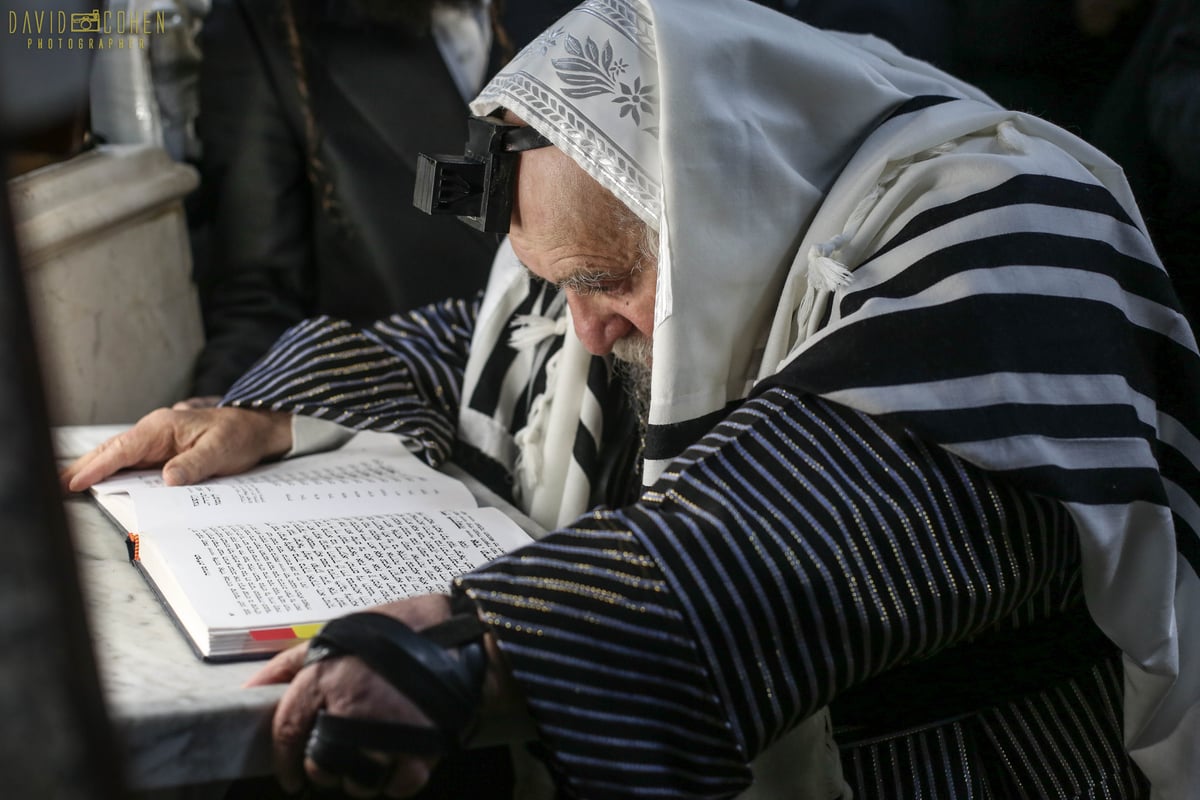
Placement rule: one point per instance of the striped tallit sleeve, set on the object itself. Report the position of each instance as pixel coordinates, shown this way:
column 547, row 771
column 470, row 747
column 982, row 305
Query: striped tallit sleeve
column 402, row 374
column 797, row 549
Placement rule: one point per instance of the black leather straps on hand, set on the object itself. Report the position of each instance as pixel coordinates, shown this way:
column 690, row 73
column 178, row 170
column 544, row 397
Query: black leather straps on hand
column 447, row 688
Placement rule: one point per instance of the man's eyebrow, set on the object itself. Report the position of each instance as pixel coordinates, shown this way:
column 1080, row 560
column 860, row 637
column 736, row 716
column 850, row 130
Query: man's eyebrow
column 583, row 279
column 533, row 276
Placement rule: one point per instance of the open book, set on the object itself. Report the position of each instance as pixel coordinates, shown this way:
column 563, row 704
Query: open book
column 250, row 564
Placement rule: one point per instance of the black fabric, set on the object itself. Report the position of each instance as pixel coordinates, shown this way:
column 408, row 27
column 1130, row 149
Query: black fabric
column 1147, row 123
column 668, row 441
column 992, row 670
column 523, row 20
column 919, row 102
column 482, row 774
column 281, row 249
column 484, row 469
column 918, row 29
column 1031, row 55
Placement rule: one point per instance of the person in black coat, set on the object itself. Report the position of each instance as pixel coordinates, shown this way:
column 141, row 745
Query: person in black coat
column 310, row 148
column 1149, row 123
column 1052, row 58
column 920, row 30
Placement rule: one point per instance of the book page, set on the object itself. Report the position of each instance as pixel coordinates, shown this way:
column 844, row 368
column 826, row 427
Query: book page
column 326, row 484
column 248, row 575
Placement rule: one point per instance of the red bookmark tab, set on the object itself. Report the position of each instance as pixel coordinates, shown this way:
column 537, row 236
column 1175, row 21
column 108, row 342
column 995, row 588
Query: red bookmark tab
column 272, row 634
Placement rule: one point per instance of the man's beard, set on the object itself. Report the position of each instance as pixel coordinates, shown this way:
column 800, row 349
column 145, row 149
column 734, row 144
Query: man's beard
column 632, row 360
column 634, row 348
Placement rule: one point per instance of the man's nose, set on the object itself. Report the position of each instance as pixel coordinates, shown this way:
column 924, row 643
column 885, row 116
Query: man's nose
column 596, row 326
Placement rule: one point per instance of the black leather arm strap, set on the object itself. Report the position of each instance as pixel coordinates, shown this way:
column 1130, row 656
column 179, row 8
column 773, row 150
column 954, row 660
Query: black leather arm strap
column 444, row 687
column 447, row 688
column 338, row 745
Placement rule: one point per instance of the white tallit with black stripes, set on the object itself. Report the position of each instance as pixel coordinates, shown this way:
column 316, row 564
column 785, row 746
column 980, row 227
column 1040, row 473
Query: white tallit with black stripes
column 844, row 220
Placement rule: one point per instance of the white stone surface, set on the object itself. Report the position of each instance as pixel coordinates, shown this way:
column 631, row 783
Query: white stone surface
column 108, row 273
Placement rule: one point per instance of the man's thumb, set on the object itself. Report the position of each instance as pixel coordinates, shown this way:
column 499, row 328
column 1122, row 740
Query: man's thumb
column 188, row 467
column 175, row 474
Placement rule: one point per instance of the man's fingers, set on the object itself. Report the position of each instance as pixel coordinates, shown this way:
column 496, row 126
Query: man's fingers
column 294, row 717
column 129, row 449
column 81, row 473
column 216, row 451
column 192, row 445
column 326, row 780
column 408, row 777
column 188, row 468
column 280, row 669
column 351, row 689
column 405, row 776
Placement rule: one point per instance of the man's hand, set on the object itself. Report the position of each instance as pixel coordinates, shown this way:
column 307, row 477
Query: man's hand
column 191, row 445
column 345, row 686
column 199, row 401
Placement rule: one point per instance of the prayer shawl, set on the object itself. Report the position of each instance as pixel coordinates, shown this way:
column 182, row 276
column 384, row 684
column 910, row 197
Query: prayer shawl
column 844, row 221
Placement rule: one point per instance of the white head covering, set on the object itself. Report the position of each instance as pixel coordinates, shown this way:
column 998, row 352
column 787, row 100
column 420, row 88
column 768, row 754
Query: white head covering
column 768, row 170
column 655, row 131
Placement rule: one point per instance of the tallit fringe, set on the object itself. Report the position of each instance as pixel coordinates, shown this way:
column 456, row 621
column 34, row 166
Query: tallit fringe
column 530, row 330
column 1010, row 138
column 824, row 273
column 530, row 462
column 827, row 274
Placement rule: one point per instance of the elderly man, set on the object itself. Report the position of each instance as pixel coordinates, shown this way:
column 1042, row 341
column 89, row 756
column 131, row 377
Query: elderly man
column 906, row 386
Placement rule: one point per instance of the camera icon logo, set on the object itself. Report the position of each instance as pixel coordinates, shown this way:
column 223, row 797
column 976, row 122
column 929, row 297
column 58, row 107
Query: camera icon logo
column 86, row 23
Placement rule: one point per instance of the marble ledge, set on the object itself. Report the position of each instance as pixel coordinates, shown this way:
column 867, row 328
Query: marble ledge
column 180, row 720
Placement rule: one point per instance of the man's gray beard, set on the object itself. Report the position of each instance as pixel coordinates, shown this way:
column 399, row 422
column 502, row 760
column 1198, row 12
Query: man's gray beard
column 632, row 363
column 634, row 348
column 635, row 378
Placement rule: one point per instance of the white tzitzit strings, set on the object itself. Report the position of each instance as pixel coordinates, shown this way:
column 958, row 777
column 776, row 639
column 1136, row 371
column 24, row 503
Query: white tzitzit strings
column 826, row 274
column 528, row 331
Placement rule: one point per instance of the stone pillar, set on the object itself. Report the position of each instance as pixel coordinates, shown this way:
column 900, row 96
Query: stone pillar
column 104, row 246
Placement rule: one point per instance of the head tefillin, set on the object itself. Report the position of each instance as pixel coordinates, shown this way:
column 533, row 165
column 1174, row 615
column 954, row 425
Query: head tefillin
column 478, row 187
